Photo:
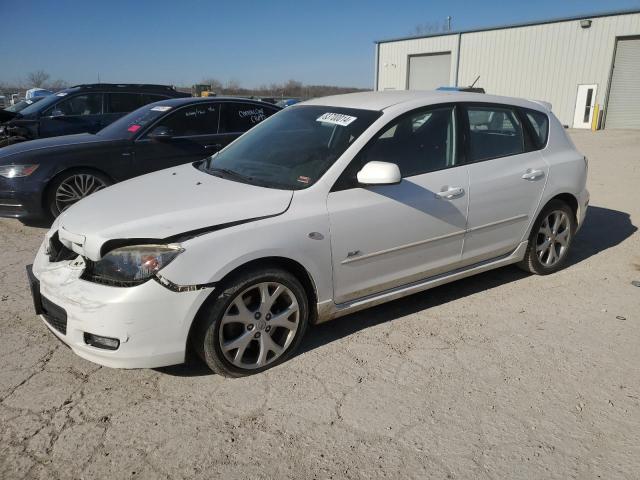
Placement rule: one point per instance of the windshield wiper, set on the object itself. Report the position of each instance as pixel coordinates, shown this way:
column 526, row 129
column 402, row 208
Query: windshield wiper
column 230, row 173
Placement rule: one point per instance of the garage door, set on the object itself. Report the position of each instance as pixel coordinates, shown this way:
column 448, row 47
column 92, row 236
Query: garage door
column 428, row 72
column 623, row 109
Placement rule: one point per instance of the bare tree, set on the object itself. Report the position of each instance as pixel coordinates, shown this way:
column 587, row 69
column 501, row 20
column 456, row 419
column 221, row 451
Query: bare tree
column 216, row 85
column 38, row 78
column 290, row 89
column 232, row 86
column 56, row 85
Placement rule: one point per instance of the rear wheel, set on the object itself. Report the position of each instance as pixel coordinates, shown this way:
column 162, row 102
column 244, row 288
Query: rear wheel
column 70, row 187
column 550, row 239
column 254, row 323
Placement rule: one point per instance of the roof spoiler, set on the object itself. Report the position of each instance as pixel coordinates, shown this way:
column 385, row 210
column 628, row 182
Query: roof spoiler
column 546, row 105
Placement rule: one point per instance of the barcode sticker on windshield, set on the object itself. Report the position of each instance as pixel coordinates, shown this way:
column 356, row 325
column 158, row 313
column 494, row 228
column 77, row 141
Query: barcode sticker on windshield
column 336, row 119
column 160, row 108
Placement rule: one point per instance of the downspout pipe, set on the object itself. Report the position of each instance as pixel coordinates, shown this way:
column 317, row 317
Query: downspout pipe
column 377, row 66
column 458, row 59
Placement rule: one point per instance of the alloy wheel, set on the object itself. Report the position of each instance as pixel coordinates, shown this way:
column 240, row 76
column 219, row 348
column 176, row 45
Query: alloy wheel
column 75, row 188
column 553, row 238
column 259, row 325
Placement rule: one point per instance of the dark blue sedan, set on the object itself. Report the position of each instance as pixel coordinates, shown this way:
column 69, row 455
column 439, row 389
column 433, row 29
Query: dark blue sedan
column 41, row 178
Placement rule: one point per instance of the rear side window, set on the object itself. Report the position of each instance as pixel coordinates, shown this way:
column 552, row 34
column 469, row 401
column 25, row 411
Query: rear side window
column 201, row 119
column 78, row 105
column 123, row 102
column 240, row 117
column 540, row 125
column 150, row 98
column 493, row 132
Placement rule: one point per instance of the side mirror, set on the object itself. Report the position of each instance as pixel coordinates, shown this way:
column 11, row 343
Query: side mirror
column 57, row 114
column 379, row 173
column 162, row 134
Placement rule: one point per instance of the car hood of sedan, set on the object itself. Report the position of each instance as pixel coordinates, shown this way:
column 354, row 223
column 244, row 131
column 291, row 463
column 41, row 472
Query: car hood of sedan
column 50, row 143
column 162, row 205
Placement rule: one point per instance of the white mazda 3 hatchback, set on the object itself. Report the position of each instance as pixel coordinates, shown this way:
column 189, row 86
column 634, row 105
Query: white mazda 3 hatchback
column 326, row 208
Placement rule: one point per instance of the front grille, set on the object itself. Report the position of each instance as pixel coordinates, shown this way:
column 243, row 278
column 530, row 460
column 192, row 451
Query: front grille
column 58, row 252
column 55, row 315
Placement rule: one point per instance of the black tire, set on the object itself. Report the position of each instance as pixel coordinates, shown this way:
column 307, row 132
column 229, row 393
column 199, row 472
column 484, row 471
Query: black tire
column 206, row 337
column 531, row 261
column 52, row 205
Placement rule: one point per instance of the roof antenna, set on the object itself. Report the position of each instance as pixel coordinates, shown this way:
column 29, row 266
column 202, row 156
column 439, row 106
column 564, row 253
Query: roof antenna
column 475, row 81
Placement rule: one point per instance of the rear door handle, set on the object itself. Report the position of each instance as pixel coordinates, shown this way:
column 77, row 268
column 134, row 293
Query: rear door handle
column 217, row 146
column 450, row 193
column 533, row 174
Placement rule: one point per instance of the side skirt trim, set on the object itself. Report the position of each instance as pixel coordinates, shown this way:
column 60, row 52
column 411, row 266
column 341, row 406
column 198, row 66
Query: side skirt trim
column 353, row 306
column 434, row 239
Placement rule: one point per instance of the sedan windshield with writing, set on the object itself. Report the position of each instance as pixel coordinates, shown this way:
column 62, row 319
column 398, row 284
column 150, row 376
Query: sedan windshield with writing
column 292, row 149
column 129, row 125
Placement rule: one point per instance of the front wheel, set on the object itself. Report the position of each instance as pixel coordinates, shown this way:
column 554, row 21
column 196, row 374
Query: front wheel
column 550, row 239
column 254, row 322
column 70, row 187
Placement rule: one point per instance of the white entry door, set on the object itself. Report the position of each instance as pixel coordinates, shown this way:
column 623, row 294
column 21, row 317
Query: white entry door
column 585, row 101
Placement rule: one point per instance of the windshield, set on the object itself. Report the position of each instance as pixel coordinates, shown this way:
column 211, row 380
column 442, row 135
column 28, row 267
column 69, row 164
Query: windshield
column 42, row 104
column 21, row 105
column 131, row 124
column 293, row 148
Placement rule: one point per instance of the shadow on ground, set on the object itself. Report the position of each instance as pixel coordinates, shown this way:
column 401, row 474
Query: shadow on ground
column 603, row 229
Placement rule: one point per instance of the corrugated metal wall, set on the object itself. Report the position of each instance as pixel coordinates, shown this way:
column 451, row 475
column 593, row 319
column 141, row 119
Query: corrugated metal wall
column 393, row 58
column 544, row 62
column 623, row 107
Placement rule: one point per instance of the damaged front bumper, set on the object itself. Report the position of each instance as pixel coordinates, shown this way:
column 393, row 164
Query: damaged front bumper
column 148, row 324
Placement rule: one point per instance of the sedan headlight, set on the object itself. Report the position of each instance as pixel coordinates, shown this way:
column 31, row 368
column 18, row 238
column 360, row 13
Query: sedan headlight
column 15, row 171
column 130, row 266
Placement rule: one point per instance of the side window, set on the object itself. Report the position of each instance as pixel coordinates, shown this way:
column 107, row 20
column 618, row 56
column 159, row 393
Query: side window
column 240, row 117
column 86, row 104
column 493, row 132
column 150, row 98
column 201, row 119
column 123, row 102
column 540, row 124
column 418, row 143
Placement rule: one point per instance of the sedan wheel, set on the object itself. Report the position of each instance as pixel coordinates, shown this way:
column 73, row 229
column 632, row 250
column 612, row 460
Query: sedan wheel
column 259, row 325
column 550, row 239
column 553, row 238
column 252, row 322
column 72, row 187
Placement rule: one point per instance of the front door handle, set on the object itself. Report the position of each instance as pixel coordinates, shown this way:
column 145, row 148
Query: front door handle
column 449, row 193
column 532, row 174
column 216, row 147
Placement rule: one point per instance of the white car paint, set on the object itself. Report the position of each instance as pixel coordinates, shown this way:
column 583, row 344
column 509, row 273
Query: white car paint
column 359, row 246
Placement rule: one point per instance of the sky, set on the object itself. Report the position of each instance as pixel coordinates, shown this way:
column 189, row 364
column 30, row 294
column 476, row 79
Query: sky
column 254, row 42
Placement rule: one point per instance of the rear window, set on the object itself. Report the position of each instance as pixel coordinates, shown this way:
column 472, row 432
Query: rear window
column 540, row 123
column 123, row 102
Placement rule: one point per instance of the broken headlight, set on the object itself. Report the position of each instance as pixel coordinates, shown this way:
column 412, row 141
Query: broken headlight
column 130, row 266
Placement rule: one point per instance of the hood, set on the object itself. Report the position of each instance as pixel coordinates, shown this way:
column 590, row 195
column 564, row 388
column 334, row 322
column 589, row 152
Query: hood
column 51, row 142
column 162, row 205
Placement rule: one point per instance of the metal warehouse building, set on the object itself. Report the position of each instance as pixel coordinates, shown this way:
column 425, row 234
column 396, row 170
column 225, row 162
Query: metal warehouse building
column 573, row 63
